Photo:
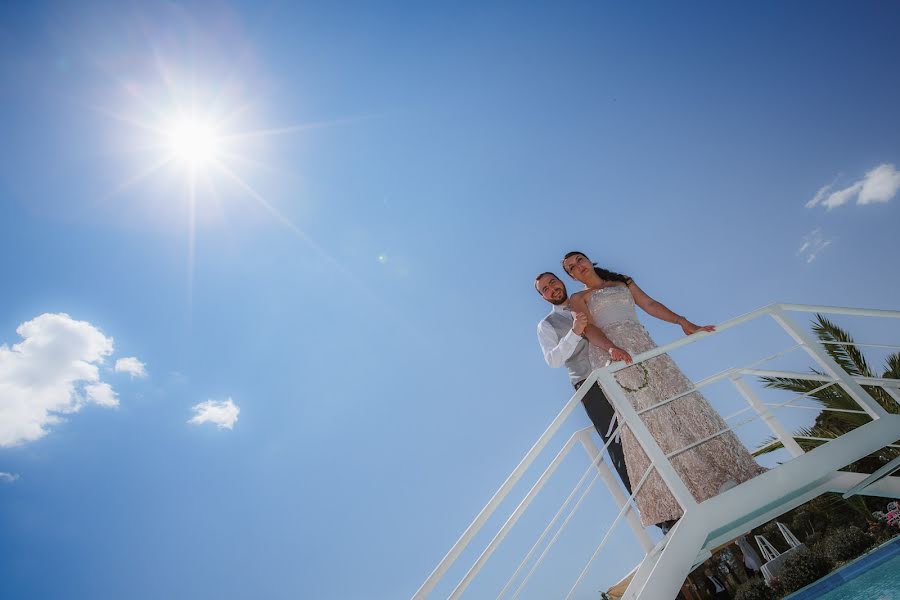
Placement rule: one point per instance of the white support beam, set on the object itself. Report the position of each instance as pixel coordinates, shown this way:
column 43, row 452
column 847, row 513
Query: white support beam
column 684, row 542
column 886, row 487
column 879, row 474
column 884, row 382
column 783, row 435
column 818, row 353
column 841, row 310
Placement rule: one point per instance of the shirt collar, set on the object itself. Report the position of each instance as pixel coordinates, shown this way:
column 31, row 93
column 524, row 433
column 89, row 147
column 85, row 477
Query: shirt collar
column 561, row 308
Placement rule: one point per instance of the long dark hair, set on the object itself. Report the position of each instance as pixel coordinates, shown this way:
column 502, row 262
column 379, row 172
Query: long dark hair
column 604, row 274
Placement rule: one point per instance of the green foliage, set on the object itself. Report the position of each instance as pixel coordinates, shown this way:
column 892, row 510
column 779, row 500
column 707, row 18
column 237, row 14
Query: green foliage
column 838, row 343
column 755, row 589
column 844, row 544
column 800, row 569
column 892, row 366
column 883, row 532
column 813, row 539
column 806, row 522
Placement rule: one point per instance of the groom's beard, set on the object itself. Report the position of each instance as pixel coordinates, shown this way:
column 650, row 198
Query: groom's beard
column 562, row 300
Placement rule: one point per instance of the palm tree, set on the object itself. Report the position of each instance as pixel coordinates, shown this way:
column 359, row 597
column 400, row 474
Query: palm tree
column 838, row 344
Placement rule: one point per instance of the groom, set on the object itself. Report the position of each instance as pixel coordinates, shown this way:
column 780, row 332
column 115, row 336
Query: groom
column 561, row 337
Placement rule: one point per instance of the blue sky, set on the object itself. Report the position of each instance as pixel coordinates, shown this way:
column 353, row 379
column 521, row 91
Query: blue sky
column 365, row 301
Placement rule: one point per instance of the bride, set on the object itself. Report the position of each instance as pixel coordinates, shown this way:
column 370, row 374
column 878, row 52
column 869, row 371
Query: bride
column 609, row 302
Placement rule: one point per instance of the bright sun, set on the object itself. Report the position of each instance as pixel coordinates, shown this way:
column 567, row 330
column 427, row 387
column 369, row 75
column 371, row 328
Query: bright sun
column 199, row 139
column 193, row 141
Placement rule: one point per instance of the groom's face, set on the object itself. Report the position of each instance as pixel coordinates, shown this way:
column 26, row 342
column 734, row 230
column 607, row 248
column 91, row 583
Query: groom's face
column 551, row 289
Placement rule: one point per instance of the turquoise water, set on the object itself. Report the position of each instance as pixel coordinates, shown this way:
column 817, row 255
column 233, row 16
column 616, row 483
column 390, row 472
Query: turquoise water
column 879, row 583
column 873, row 576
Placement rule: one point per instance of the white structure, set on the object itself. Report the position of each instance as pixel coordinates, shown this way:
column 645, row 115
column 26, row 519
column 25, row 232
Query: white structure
column 774, row 558
column 765, row 546
column 789, row 537
column 713, row 522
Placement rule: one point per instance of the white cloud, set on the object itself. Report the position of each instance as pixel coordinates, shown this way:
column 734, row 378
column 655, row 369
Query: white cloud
column 877, row 186
column 223, row 414
column 132, row 366
column 843, row 196
column 820, row 195
column 880, row 185
column 53, row 371
column 8, row 477
column 102, row 394
column 814, row 243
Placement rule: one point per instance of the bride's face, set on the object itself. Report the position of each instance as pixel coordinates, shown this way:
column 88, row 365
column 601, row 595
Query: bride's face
column 579, row 267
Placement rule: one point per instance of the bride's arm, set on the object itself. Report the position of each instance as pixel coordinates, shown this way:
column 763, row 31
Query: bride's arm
column 661, row 311
column 594, row 334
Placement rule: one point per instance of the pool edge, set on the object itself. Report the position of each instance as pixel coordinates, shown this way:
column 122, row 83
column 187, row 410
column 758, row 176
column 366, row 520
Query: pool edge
column 851, row 570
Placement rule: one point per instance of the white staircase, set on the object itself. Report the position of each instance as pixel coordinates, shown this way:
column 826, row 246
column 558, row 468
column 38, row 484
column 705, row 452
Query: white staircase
column 713, row 522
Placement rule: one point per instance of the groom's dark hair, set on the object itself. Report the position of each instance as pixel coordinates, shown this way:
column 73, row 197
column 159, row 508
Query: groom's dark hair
column 536, row 279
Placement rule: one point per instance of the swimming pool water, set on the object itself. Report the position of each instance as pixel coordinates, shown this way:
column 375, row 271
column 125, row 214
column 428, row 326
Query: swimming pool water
column 873, row 576
column 879, row 583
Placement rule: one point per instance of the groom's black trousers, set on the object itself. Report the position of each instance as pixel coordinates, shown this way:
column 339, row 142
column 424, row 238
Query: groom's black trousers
column 601, row 414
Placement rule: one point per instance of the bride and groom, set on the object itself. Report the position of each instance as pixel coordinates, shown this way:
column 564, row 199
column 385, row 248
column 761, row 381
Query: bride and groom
column 584, row 332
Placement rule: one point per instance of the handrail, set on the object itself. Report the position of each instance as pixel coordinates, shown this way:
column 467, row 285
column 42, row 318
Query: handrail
column 503, row 491
column 691, row 339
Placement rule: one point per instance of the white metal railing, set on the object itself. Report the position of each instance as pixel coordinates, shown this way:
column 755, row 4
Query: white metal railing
column 711, row 521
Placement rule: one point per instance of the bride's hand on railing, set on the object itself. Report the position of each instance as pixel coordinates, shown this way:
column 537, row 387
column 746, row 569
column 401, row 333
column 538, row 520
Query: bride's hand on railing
column 689, row 328
column 618, row 354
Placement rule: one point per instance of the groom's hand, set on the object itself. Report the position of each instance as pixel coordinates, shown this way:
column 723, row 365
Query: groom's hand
column 580, row 323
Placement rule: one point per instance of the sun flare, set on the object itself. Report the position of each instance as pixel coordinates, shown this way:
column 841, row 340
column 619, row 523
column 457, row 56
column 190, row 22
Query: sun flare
column 193, row 141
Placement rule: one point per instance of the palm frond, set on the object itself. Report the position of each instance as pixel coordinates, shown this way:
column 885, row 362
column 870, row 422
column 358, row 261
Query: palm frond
column 832, row 396
column 838, row 347
column 772, row 443
column 892, row 366
column 834, row 421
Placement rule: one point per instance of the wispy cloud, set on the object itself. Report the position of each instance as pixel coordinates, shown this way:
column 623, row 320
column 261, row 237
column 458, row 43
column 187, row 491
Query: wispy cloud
column 132, row 366
column 224, row 414
column 53, row 371
column 8, row 477
column 814, row 243
column 821, row 194
column 879, row 185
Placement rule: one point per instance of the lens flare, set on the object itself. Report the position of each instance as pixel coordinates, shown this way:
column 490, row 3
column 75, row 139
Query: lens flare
column 192, row 141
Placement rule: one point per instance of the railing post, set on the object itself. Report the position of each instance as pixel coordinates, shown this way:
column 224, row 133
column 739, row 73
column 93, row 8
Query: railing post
column 606, row 474
column 512, row 519
column 657, row 457
column 818, row 353
column 783, row 435
column 683, row 543
column 892, row 393
column 501, row 493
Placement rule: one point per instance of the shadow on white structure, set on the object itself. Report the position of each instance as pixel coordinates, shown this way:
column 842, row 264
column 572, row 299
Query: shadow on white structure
column 713, row 522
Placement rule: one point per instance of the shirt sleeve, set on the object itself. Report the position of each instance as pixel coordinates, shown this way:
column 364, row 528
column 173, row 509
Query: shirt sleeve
column 556, row 351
